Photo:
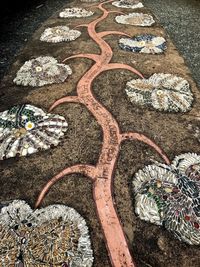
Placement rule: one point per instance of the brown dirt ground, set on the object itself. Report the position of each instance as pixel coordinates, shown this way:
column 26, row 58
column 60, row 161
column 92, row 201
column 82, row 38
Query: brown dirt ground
column 23, row 178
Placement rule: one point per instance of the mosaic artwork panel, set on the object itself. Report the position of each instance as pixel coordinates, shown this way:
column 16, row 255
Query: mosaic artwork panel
column 26, row 129
column 53, row 236
column 42, row 71
column 170, row 196
column 163, row 92
column 147, row 44
column 135, row 19
column 133, row 4
column 59, row 34
column 75, row 12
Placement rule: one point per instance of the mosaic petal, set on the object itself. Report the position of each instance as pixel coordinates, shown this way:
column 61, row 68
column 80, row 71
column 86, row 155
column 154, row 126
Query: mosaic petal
column 53, row 236
column 188, row 164
column 75, row 12
column 163, row 92
column 59, row 34
column 133, row 4
column 147, row 43
column 170, row 196
column 42, row 71
column 26, row 129
column 135, row 19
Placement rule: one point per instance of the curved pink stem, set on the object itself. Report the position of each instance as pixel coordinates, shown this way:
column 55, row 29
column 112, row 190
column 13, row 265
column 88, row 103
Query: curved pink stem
column 66, row 99
column 103, row 173
column 88, row 56
column 113, row 66
column 102, row 34
column 146, row 140
column 86, row 170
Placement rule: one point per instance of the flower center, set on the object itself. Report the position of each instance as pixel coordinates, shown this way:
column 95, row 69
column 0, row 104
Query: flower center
column 38, row 69
column 29, row 125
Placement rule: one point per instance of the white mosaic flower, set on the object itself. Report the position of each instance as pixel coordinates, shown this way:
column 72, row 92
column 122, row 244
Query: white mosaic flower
column 133, row 4
column 59, row 34
column 170, row 196
column 56, row 235
column 75, row 12
column 26, row 129
column 42, row 71
column 135, row 19
column 163, row 92
column 147, row 43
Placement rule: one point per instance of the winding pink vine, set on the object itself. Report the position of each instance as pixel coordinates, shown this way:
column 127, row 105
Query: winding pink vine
column 102, row 174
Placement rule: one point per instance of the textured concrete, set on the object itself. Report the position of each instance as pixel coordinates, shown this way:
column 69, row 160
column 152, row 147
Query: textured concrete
column 181, row 19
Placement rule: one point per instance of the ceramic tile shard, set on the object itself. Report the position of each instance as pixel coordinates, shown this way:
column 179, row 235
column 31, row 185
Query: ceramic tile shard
column 170, row 196
column 75, row 12
column 147, row 43
column 26, row 129
column 53, row 236
column 59, row 34
column 133, row 4
column 42, row 71
column 163, row 92
column 135, row 19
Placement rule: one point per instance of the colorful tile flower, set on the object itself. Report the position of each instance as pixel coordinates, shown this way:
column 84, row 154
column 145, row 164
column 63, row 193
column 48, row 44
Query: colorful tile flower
column 59, row 34
column 128, row 4
column 53, row 236
column 42, row 71
column 26, row 129
column 135, row 19
column 170, row 196
column 147, row 43
column 75, row 12
column 163, row 92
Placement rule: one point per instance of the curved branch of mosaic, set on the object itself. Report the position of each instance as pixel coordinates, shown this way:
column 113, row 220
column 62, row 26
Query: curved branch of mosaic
column 93, row 57
column 114, row 66
column 67, row 99
column 146, row 140
column 103, row 172
column 86, row 170
column 105, row 33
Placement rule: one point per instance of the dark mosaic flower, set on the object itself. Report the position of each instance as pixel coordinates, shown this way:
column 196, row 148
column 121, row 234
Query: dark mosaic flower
column 26, row 129
column 170, row 196
column 163, row 92
column 135, row 19
column 128, row 4
column 75, row 12
column 59, row 34
column 147, row 43
column 42, row 71
column 53, row 236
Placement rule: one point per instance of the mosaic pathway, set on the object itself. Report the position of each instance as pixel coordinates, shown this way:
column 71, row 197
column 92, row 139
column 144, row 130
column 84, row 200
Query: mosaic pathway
column 147, row 106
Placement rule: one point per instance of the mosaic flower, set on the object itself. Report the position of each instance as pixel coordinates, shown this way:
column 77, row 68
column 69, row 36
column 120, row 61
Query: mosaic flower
column 136, row 19
column 147, row 43
column 53, row 236
column 42, row 71
column 170, row 196
column 59, row 34
column 163, row 92
column 25, row 129
column 128, row 4
column 75, row 12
